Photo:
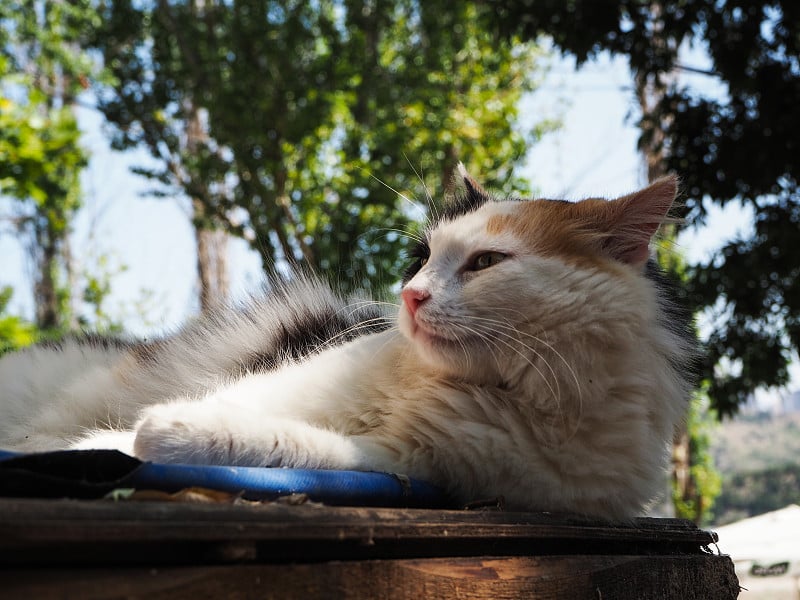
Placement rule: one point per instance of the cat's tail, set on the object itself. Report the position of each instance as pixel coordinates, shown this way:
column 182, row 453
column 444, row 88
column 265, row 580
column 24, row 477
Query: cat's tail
column 51, row 394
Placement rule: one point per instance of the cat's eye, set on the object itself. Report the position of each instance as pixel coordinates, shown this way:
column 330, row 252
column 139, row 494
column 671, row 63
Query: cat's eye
column 486, row 260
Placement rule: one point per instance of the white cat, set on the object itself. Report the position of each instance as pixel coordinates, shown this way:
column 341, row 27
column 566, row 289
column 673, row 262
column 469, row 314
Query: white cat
column 535, row 355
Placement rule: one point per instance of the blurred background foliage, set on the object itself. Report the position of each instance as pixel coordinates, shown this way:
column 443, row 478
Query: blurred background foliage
column 289, row 123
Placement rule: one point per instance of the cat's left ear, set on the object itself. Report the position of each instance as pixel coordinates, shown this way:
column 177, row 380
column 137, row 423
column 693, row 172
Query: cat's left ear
column 475, row 193
column 637, row 217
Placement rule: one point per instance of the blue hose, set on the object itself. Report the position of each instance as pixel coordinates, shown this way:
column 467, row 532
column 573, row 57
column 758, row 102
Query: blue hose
column 91, row 473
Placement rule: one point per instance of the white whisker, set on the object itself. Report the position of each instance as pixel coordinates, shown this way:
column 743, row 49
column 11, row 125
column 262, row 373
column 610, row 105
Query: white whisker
column 555, row 391
column 413, row 203
column 540, row 341
column 511, row 337
column 431, row 204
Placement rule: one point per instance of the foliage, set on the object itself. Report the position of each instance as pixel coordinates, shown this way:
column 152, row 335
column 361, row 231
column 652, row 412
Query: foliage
column 96, row 283
column 749, row 146
column 14, row 331
column 40, row 160
column 742, row 147
column 696, row 482
column 40, row 164
column 43, row 43
column 300, row 104
column 697, row 502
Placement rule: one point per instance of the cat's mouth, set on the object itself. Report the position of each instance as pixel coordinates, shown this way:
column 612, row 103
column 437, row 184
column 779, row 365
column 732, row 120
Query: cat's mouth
column 429, row 337
column 426, row 334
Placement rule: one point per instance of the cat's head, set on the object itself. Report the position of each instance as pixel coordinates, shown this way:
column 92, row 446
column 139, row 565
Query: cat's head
column 493, row 280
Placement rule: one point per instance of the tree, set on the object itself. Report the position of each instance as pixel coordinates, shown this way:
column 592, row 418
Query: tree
column 745, row 149
column 304, row 106
column 740, row 148
column 154, row 103
column 42, row 70
column 40, row 161
column 697, row 483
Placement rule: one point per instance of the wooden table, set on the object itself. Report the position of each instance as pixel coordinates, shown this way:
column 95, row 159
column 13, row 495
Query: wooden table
column 103, row 549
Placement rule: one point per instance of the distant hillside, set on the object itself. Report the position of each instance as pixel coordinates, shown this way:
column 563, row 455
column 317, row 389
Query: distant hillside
column 754, row 443
column 749, row 494
column 759, row 458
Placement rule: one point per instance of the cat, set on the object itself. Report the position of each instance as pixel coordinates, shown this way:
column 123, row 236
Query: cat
column 537, row 354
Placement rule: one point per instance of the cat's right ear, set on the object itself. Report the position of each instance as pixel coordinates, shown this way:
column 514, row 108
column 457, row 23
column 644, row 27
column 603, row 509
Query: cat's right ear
column 636, row 218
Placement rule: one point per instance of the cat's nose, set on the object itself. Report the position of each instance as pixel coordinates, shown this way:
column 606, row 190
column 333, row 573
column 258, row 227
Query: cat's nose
column 413, row 298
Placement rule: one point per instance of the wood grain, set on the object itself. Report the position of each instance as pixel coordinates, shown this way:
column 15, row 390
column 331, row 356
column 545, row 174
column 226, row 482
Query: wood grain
column 552, row 577
column 99, row 549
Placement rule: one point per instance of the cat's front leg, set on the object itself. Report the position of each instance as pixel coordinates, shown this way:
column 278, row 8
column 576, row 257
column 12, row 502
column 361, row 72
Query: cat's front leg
column 210, row 432
column 106, row 439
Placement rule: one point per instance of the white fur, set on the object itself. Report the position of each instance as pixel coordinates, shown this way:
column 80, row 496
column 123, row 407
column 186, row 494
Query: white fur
column 545, row 382
column 50, row 397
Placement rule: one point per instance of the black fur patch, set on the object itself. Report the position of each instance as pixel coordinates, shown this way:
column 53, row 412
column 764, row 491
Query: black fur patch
column 306, row 329
column 470, row 200
column 675, row 316
column 419, row 253
column 148, row 351
column 92, row 340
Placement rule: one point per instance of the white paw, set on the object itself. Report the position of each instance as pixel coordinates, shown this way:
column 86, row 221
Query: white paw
column 218, row 434
column 182, row 432
column 106, row 440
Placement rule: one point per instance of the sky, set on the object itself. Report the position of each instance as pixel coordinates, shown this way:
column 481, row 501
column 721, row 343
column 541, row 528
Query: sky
column 592, row 154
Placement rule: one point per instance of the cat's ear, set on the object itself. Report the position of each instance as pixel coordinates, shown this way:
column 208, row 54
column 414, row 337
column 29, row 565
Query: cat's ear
column 636, row 218
column 475, row 193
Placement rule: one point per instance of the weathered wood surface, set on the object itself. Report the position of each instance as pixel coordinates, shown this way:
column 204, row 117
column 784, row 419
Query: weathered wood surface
column 96, row 549
column 512, row 578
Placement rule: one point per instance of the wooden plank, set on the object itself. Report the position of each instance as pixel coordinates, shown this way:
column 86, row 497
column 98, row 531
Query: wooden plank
column 98, row 549
column 97, row 532
column 575, row 577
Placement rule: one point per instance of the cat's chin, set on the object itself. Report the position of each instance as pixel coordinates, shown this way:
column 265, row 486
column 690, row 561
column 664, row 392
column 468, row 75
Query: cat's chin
column 443, row 354
column 424, row 336
column 429, row 339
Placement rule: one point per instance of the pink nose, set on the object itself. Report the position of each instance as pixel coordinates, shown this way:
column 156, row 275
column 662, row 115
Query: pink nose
column 413, row 298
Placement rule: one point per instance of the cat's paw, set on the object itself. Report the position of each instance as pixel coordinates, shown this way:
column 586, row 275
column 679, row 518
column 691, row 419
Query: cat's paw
column 184, row 433
column 215, row 433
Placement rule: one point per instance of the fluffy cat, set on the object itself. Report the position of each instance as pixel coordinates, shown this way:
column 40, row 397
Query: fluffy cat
column 536, row 355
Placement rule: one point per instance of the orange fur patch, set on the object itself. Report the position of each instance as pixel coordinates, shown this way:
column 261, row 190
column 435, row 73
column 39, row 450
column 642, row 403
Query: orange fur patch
column 593, row 231
column 571, row 230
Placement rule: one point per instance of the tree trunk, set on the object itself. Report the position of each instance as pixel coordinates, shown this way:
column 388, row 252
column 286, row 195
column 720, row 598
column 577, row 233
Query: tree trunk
column 211, row 244
column 45, row 256
column 650, row 90
column 212, row 267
